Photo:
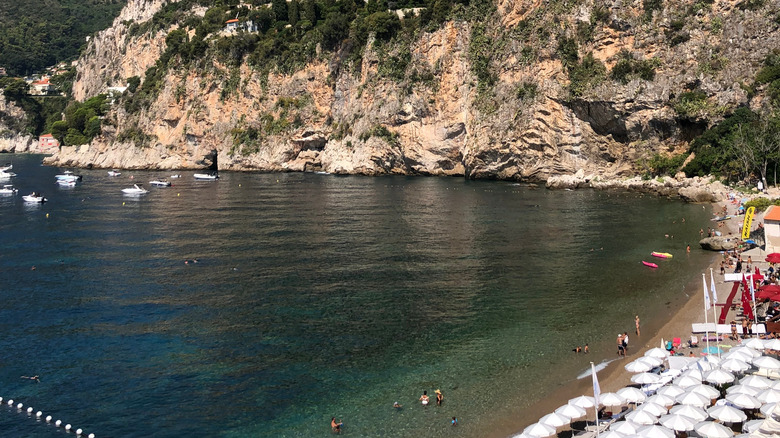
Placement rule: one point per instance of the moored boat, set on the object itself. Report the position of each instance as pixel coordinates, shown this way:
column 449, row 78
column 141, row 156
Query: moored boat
column 68, row 176
column 66, row 182
column 160, row 183
column 135, row 190
column 114, row 172
column 8, row 190
column 206, row 176
column 662, row 255
column 34, row 197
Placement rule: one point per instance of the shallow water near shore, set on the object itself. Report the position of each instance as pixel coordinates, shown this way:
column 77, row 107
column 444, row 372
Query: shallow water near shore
column 316, row 296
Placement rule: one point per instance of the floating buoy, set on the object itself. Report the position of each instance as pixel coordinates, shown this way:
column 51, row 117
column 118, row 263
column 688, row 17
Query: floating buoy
column 29, row 410
column 67, row 427
column 10, row 402
column 78, row 431
column 47, row 214
column 19, row 406
column 123, row 203
column 38, row 414
column 48, row 418
column 1, row 399
column 239, row 185
column 178, row 194
column 58, row 423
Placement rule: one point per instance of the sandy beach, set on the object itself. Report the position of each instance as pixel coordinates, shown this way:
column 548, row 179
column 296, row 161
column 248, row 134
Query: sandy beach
column 614, row 376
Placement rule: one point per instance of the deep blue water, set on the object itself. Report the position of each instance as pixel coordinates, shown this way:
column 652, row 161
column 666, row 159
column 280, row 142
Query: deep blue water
column 316, row 296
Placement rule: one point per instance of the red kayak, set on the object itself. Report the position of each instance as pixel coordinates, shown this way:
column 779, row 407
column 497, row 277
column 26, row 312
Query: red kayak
column 652, row 265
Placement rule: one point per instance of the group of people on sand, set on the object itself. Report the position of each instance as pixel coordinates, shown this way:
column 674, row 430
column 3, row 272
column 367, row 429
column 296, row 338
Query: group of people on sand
column 622, row 343
column 337, row 425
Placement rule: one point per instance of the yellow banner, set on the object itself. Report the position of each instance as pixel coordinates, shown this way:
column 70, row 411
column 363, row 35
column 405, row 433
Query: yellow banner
column 747, row 223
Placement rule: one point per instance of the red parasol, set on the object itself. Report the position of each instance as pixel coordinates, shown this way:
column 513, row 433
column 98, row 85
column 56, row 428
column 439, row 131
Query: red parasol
column 773, row 257
column 768, row 291
column 775, row 297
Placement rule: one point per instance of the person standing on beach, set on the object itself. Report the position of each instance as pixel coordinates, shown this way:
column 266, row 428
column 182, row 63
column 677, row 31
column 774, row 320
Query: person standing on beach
column 636, row 322
column 733, row 330
column 621, row 350
column 625, row 343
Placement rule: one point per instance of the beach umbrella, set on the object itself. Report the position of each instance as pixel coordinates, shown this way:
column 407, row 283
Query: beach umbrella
column 655, row 431
column 735, row 365
column 632, row 395
column 697, row 414
column 652, row 360
column 743, row 389
column 583, row 401
column 705, row 390
column 743, row 401
column 555, row 420
column 773, row 257
column 741, row 355
column 572, row 411
column 710, row 429
column 657, row 352
column 612, row 399
column 719, row 377
column 625, row 427
column 539, row 430
column 670, row 390
column 772, row 344
column 677, row 422
column 696, row 373
column 767, row 409
column 642, row 417
column 755, row 343
column 638, row 366
column 727, row 414
column 653, row 408
column 752, row 426
column 645, row 378
column 693, row 399
column 661, row 399
column 612, row 434
column 767, row 362
column 755, row 381
column 687, row 381
column 743, row 349
column 769, row 396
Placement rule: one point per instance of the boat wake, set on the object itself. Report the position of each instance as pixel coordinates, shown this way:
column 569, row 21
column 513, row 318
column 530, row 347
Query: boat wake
column 599, row 367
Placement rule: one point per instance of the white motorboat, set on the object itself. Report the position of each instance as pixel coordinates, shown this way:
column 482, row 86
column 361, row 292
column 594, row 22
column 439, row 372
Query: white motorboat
column 160, row 183
column 34, row 198
column 176, row 176
column 6, row 167
column 114, row 172
column 66, row 182
column 135, row 190
column 207, row 176
column 8, row 190
column 68, row 176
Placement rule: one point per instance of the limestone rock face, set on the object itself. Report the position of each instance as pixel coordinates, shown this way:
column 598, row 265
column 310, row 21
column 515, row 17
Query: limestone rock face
column 12, row 123
column 719, row 243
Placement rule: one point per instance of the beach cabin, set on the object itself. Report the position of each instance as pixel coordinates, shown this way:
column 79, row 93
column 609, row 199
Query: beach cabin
column 47, row 144
column 772, row 229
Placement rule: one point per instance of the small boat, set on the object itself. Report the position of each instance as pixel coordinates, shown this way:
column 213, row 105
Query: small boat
column 6, row 175
column 8, row 166
column 160, row 183
column 8, row 190
column 207, row 176
column 68, row 175
column 114, row 172
column 176, row 176
column 663, row 255
column 135, row 190
column 34, row 198
column 66, row 183
column 648, row 264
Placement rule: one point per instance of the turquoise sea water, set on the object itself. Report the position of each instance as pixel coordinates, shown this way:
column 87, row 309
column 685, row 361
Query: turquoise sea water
column 316, row 296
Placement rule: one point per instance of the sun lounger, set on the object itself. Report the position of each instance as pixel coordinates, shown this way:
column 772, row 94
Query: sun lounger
column 725, row 329
column 701, row 327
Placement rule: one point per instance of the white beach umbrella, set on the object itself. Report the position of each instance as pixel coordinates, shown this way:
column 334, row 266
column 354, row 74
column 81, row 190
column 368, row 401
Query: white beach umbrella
column 693, row 399
column 687, row 381
column 637, row 366
column 745, row 349
column 555, row 420
column 625, row 427
column 642, row 417
column 767, row 362
column 653, row 408
column 583, row 401
column 727, row 414
column 696, row 373
column 645, row 378
column 697, row 414
column 769, row 396
column 661, row 399
column 672, row 372
column 652, row 360
column 572, row 411
column 743, row 389
column 743, row 401
column 657, row 352
column 612, row 399
column 677, row 422
column 752, row 426
column 772, row 344
column 670, row 390
column 767, row 409
column 705, row 390
column 735, row 365
column 655, row 431
column 632, row 395
column 719, row 376
column 710, row 429
column 737, row 355
column 612, row 434
column 755, row 343
column 539, row 430
column 710, row 359
column 756, row 381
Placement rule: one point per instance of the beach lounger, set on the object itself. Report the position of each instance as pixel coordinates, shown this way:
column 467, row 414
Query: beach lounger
column 701, row 327
column 725, row 329
column 759, row 329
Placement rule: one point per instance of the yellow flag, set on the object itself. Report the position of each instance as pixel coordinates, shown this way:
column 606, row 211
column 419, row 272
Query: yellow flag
column 747, row 223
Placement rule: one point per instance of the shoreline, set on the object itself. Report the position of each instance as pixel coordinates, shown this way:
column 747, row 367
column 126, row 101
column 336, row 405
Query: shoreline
column 614, row 377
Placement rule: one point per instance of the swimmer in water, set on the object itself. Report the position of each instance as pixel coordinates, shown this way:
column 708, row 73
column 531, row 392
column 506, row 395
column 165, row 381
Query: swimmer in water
column 32, row 378
column 424, row 398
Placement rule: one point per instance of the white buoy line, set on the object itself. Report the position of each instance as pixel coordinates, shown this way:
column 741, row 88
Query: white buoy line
column 58, row 423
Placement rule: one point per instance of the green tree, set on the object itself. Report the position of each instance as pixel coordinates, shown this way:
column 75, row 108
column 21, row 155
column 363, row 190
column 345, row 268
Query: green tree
column 293, row 13
column 279, row 9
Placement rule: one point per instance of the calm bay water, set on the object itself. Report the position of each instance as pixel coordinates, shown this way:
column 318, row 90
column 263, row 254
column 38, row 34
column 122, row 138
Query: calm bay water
column 317, row 296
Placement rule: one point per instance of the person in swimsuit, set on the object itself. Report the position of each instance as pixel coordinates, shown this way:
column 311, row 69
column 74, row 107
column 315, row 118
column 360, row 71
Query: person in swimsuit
column 454, row 421
column 439, row 397
column 621, row 350
column 335, row 426
column 636, row 322
column 733, row 330
column 424, row 398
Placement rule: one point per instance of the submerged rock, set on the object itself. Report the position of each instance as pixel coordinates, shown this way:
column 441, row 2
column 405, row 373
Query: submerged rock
column 719, row 243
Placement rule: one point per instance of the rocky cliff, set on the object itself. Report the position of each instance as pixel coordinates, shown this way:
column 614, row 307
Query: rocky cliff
column 527, row 125
column 12, row 124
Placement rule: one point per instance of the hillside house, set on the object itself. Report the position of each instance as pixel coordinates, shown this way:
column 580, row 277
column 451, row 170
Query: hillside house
column 772, row 229
column 47, row 144
column 41, row 87
column 233, row 26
